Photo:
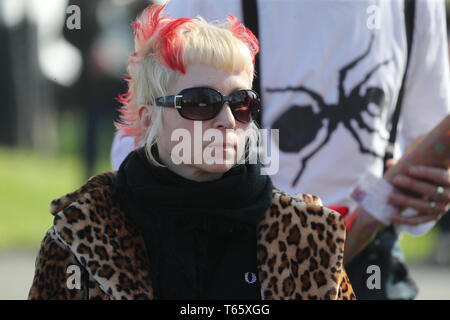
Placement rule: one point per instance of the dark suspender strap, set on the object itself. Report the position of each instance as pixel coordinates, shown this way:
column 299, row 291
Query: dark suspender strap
column 409, row 27
column 380, row 250
column 250, row 10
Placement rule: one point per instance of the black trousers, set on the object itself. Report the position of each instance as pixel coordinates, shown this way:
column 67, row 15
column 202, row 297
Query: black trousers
column 385, row 253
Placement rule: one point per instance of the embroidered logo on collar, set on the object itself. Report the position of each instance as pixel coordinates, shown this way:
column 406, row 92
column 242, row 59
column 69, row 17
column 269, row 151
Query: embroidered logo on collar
column 250, row 277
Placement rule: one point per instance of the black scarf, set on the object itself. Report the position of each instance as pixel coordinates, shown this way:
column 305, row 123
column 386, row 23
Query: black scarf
column 200, row 236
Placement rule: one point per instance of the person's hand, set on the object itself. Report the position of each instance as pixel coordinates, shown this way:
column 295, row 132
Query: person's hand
column 425, row 189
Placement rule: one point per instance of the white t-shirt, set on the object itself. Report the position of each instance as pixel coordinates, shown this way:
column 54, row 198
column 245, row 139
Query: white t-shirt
column 330, row 76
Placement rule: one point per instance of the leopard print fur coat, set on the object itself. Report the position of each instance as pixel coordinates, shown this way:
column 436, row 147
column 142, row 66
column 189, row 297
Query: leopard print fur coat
column 300, row 247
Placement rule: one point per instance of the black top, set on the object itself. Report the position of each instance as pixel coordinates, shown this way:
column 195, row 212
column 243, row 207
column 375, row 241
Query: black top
column 200, row 236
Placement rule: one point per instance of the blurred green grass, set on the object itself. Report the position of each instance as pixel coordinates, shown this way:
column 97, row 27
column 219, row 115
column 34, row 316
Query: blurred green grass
column 28, row 183
column 30, row 180
column 417, row 249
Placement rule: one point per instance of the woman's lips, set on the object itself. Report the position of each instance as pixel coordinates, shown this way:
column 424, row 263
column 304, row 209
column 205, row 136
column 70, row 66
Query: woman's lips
column 225, row 146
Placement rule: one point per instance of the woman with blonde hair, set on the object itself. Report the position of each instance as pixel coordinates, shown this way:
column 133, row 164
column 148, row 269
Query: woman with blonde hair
column 189, row 219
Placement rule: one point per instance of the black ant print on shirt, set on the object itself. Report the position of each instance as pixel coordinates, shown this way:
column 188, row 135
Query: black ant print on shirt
column 299, row 125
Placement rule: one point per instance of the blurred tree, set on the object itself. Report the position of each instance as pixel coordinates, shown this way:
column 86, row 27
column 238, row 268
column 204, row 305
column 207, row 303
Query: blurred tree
column 28, row 115
column 104, row 41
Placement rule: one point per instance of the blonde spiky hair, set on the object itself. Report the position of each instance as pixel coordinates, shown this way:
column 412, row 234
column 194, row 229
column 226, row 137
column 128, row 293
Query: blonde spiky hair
column 165, row 46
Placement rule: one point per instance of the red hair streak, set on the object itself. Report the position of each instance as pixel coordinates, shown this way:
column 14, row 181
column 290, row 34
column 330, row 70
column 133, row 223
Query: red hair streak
column 171, row 49
column 157, row 33
column 245, row 35
column 153, row 23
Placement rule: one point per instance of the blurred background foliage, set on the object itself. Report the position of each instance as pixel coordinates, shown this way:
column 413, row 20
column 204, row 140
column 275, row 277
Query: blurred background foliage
column 58, row 103
column 29, row 180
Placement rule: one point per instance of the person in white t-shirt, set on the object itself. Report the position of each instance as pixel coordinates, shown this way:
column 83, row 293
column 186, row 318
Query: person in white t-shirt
column 330, row 77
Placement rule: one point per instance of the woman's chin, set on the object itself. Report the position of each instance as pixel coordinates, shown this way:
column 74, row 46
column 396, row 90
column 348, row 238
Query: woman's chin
column 216, row 168
column 219, row 163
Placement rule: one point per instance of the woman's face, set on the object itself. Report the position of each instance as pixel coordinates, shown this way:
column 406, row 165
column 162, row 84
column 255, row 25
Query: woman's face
column 224, row 123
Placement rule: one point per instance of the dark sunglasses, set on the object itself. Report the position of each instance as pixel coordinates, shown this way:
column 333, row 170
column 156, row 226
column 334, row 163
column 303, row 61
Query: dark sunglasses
column 203, row 103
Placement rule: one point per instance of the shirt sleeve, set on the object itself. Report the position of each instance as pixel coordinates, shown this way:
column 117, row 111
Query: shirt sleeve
column 426, row 98
column 121, row 147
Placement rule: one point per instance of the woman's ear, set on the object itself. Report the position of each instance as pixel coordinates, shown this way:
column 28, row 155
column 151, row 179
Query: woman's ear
column 144, row 116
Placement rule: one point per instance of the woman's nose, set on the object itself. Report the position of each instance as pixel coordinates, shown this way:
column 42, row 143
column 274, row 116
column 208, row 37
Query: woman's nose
column 225, row 118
